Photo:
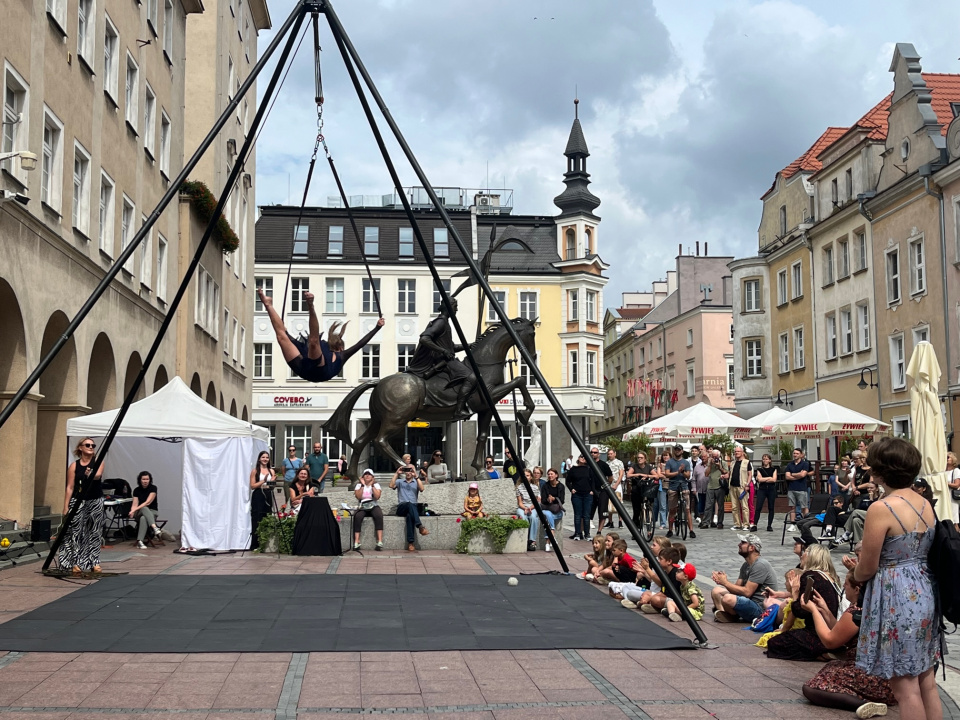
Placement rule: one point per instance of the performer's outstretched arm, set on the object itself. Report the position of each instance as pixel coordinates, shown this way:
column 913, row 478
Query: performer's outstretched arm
column 350, row 351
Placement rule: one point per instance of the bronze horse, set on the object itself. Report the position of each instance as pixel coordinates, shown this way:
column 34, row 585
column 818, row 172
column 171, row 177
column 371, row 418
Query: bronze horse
column 397, row 399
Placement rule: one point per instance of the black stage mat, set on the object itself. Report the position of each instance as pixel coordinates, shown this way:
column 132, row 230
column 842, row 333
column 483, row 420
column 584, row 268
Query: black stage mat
column 314, row 613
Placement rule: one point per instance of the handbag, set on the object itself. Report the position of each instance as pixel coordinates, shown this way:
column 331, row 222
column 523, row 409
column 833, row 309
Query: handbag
column 955, row 494
column 368, row 504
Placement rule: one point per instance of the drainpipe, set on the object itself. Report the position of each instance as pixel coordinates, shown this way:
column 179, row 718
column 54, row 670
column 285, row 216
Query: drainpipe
column 862, row 199
column 925, row 172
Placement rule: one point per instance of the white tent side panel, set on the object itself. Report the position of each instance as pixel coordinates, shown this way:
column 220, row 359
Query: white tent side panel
column 216, row 491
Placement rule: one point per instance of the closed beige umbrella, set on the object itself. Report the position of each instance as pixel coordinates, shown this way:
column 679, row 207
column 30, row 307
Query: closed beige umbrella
column 927, row 420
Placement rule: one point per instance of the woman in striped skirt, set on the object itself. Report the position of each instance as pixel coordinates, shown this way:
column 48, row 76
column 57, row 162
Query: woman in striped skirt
column 80, row 549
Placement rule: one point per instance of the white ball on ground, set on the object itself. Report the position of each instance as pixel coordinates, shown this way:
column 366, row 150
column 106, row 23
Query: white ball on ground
column 512, row 581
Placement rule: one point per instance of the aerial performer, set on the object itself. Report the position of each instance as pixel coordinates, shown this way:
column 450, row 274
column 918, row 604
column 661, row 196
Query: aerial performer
column 315, row 360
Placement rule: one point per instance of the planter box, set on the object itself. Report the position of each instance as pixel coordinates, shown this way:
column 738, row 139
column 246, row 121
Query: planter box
column 270, row 546
column 482, row 544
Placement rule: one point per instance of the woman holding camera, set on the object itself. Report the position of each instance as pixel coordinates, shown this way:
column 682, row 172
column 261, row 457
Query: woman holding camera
column 261, row 477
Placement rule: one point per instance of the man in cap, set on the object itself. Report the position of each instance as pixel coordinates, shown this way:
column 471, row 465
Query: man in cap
column 677, row 469
column 742, row 601
column 408, row 490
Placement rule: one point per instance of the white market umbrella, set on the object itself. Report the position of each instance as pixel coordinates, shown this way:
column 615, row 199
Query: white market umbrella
column 824, row 419
column 927, row 420
column 655, row 428
column 768, row 418
column 694, row 423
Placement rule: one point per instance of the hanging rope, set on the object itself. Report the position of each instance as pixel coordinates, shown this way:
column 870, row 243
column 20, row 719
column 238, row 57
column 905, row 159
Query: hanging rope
column 321, row 140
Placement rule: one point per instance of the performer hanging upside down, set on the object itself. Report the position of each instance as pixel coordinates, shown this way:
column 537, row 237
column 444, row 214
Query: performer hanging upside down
column 316, row 360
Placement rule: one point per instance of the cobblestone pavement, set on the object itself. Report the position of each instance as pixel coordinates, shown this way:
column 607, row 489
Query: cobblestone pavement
column 734, row 680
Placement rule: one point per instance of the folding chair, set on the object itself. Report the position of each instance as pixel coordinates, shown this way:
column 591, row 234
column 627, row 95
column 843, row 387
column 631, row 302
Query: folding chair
column 818, row 504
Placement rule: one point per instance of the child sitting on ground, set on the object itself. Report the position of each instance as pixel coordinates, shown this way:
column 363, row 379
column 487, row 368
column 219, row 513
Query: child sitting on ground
column 472, row 504
column 650, row 602
column 593, row 559
column 691, row 594
column 621, row 568
column 647, row 579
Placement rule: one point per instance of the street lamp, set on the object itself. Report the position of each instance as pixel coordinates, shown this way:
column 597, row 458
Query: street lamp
column 783, row 399
column 863, row 383
column 28, row 160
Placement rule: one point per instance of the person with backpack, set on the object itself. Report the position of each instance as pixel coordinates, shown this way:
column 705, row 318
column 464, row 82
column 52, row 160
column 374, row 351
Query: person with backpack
column 900, row 630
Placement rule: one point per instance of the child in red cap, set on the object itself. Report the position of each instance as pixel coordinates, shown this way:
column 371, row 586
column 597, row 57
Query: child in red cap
column 691, row 594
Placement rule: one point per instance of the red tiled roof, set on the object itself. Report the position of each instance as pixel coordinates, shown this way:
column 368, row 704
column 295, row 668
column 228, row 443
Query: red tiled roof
column 808, row 162
column 945, row 88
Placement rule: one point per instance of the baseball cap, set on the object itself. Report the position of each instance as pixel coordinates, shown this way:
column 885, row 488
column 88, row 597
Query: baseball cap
column 678, row 446
column 806, row 542
column 689, row 570
column 368, row 471
column 751, row 539
column 474, row 486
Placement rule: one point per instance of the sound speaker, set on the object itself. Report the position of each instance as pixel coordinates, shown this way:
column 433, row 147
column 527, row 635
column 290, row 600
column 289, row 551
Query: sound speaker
column 39, row 530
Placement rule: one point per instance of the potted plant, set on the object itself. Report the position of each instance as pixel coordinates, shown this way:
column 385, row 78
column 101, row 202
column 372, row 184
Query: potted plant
column 492, row 534
column 275, row 532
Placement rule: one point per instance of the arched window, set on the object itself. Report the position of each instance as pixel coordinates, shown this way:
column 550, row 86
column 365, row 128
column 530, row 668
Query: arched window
column 571, row 244
column 588, row 248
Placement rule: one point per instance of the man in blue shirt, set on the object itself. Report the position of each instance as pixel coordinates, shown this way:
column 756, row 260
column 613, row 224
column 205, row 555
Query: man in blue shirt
column 796, row 476
column 678, row 471
column 291, row 463
column 408, row 492
column 319, row 463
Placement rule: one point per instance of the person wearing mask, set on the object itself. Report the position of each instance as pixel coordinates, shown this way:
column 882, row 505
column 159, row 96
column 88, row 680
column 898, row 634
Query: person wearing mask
column 579, row 482
column 741, row 477
column 318, row 464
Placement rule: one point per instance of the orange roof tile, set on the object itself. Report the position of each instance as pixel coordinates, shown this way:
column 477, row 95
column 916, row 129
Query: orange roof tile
column 808, row 161
column 945, row 89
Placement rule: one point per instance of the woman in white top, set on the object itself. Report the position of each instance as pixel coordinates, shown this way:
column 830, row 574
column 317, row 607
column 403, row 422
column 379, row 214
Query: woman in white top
column 368, row 493
column 437, row 469
column 953, row 480
column 260, row 505
column 525, row 509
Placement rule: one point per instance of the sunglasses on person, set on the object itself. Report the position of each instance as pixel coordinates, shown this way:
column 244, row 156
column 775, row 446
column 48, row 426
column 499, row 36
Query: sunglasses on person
column 438, row 454
column 89, row 445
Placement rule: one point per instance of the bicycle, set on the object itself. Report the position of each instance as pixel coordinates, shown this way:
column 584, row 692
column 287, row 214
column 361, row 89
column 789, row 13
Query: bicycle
column 680, row 517
column 648, row 520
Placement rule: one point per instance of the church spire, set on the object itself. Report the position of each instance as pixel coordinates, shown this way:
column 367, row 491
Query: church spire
column 576, row 198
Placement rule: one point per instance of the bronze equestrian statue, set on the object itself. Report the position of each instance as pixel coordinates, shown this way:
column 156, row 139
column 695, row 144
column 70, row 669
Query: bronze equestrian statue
column 437, row 386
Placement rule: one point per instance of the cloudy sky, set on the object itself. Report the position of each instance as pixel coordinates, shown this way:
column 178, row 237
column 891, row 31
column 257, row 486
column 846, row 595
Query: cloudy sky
column 689, row 108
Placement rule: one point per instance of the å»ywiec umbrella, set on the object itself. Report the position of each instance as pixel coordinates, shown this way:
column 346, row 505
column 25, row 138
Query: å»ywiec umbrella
column 767, row 419
column 697, row 422
column 926, row 419
column 824, row 419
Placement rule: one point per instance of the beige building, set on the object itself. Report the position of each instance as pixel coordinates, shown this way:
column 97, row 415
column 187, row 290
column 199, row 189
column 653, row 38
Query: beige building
column 96, row 91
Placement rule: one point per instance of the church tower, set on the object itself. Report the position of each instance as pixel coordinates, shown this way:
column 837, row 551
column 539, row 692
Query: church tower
column 576, row 224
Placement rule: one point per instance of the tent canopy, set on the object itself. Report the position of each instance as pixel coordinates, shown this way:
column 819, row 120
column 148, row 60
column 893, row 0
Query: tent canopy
column 698, row 421
column 173, row 411
column 824, row 419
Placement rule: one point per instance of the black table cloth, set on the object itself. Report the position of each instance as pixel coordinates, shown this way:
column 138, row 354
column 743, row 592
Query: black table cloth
column 317, row 532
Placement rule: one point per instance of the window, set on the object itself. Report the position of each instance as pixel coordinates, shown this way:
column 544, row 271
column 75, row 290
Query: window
column 368, row 302
column 111, row 58
column 301, row 239
column 333, row 302
column 371, row 241
column 731, row 377
column 754, row 358
column 335, row 241
column 783, row 220
column 893, row 276
column 782, row 287
column 751, row 296
column 574, row 305
column 370, row 362
column 843, row 259
column 107, row 211
column 898, row 377
column 299, row 437
column 262, row 361
column 86, row 22
column 591, row 306
column 691, row 380
column 168, row 29
column 828, row 265
column 846, row 332
column 591, row 367
column 149, row 120
column 571, row 238
column 918, row 278
column 921, row 333
column 299, row 286
column 834, row 193
column 783, row 342
column 131, row 93
column 643, row 356
column 234, row 338
column 208, row 301
column 799, row 359
column 404, row 356
column 501, row 296
column 231, row 77
column 901, row 426
column 226, row 331
column 161, row 266
column 441, row 244
column 796, row 278
column 524, row 371
column 496, row 444
column 861, row 251
column 574, row 367
column 51, row 166
column 15, row 136
column 863, row 326
column 831, row 336
column 242, row 347
column 164, row 144
column 127, row 219
column 437, row 298
column 848, row 184
column 406, row 296
column 406, row 242
column 152, row 15
column 81, row 189
column 146, row 259
column 659, row 347
column 689, row 337
column 265, row 284
column 528, row 305
column 57, row 10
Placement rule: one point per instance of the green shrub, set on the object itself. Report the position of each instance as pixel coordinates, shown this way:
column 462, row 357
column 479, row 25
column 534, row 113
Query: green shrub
column 498, row 527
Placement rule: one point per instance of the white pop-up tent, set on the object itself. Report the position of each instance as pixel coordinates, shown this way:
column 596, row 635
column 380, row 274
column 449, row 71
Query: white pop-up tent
column 200, row 459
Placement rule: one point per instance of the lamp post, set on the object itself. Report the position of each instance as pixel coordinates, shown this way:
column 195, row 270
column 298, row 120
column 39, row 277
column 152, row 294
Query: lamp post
column 28, row 160
column 863, row 385
column 783, row 399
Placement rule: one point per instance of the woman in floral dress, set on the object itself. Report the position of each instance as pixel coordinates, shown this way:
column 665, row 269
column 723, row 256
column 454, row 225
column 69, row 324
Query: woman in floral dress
column 899, row 635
